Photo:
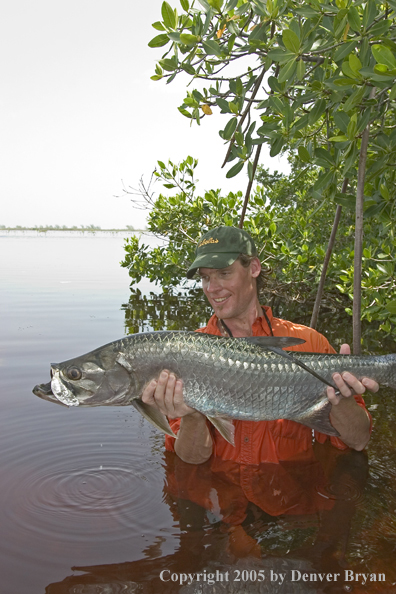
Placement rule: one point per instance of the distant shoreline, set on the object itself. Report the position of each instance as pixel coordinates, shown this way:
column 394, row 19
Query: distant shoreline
column 90, row 229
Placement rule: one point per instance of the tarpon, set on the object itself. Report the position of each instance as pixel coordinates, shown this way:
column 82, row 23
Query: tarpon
column 223, row 378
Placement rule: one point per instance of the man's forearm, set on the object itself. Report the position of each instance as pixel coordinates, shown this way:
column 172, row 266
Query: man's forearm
column 352, row 423
column 194, row 442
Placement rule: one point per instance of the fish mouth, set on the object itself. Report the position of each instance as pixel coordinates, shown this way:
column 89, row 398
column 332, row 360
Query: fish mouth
column 56, row 390
column 44, row 391
column 60, row 390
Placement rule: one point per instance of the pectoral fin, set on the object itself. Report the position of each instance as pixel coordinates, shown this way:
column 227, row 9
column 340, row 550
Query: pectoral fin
column 153, row 415
column 225, row 427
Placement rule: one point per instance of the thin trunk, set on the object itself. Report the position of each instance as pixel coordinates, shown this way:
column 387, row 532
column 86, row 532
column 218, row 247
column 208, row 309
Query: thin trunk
column 315, row 311
column 249, row 188
column 357, row 273
column 245, row 113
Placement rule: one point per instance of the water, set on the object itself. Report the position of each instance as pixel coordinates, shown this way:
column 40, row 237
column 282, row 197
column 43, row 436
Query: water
column 91, row 503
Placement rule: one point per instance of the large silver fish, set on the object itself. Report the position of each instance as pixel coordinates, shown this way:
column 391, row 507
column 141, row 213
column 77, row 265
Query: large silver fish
column 224, row 378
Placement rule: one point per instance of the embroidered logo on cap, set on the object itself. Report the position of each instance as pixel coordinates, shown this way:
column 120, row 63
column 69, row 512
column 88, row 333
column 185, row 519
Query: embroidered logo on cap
column 206, row 241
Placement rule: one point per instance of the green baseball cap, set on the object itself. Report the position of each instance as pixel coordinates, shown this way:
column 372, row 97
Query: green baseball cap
column 220, row 247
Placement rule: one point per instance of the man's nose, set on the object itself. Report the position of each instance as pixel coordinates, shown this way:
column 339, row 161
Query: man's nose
column 213, row 285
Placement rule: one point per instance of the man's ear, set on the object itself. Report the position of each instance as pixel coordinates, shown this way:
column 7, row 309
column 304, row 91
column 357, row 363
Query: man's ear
column 255, row 267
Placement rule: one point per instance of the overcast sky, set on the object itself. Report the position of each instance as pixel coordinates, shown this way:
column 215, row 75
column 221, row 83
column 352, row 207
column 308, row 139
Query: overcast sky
column 80, row 116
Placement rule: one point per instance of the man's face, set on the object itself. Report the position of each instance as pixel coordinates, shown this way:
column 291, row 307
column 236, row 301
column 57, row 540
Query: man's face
column 231, row 291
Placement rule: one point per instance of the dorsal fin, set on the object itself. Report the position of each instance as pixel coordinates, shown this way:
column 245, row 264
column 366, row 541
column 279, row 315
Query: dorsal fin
column 292, row 359
column 281, row 342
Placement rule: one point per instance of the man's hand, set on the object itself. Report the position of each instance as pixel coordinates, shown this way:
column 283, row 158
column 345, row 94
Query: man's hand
column 166, row 394
column 351, row 420
column 348, row 384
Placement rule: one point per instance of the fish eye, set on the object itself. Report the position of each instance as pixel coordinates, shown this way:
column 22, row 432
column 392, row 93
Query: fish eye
column 74, row 373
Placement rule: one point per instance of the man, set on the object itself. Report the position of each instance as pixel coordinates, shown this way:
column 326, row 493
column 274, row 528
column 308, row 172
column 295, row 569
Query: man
column 226, row 260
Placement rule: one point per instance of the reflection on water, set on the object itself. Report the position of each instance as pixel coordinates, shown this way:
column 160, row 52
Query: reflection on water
column 227, row 543
column 90, row 502
column 185, row 310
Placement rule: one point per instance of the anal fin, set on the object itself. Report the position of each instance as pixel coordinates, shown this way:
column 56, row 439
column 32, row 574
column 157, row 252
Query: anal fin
column 317, row 417
column 225, row 427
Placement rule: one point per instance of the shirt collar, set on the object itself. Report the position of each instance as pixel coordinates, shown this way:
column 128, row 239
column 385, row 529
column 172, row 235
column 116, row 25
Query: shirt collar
column 260, row 325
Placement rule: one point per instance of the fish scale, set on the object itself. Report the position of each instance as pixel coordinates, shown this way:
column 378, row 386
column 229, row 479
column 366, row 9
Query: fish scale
column 238, row 378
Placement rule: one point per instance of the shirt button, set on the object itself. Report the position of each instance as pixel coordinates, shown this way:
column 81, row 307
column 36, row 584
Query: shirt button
column 246, row 440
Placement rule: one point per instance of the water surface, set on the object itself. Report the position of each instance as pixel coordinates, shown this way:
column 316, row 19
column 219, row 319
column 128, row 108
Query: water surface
column 91, row 503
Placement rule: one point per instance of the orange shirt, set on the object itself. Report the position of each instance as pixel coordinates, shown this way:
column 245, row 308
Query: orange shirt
column 268, row 441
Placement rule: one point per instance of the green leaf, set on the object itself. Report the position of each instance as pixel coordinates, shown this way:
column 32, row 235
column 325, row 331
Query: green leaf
column 223, row 104
column 304, row 154
column 300, row 123
column 235, row 169
column 317, row 111
column 231, row 5
column 354, row 63
column 287, row 71
column 174, row 36
column 159, row 41
column 168, row 65
column 344, row 50
column 168, row 15
column 300, row 69
column 391, row 307
column 322, row 153
column 355, row 98
column 258, row 34
column 212, row 48
column 230, row 128
column 291, row 41
column 384, row 192
column 342, row 82
column 307, row 11
column 354, row 18
column 347, row 200
column 276, row 146
column 341, row 120
column 216, row 4
column 383, row 55
column 323, row 180
column 347, row 70
column 277, row 105
column 341, row 138
column 185, row 5
column 392, row 94
column 188, row 68
column 184, row 112
column 158, row 25
column 373, row 210
column 380, row 28
column 188, row 39
column 352, row 127
column 369, row 13
column 280, row 55
column 363, row 120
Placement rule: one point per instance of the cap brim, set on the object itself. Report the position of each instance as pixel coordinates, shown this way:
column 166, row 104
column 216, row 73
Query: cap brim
column 219, row 260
